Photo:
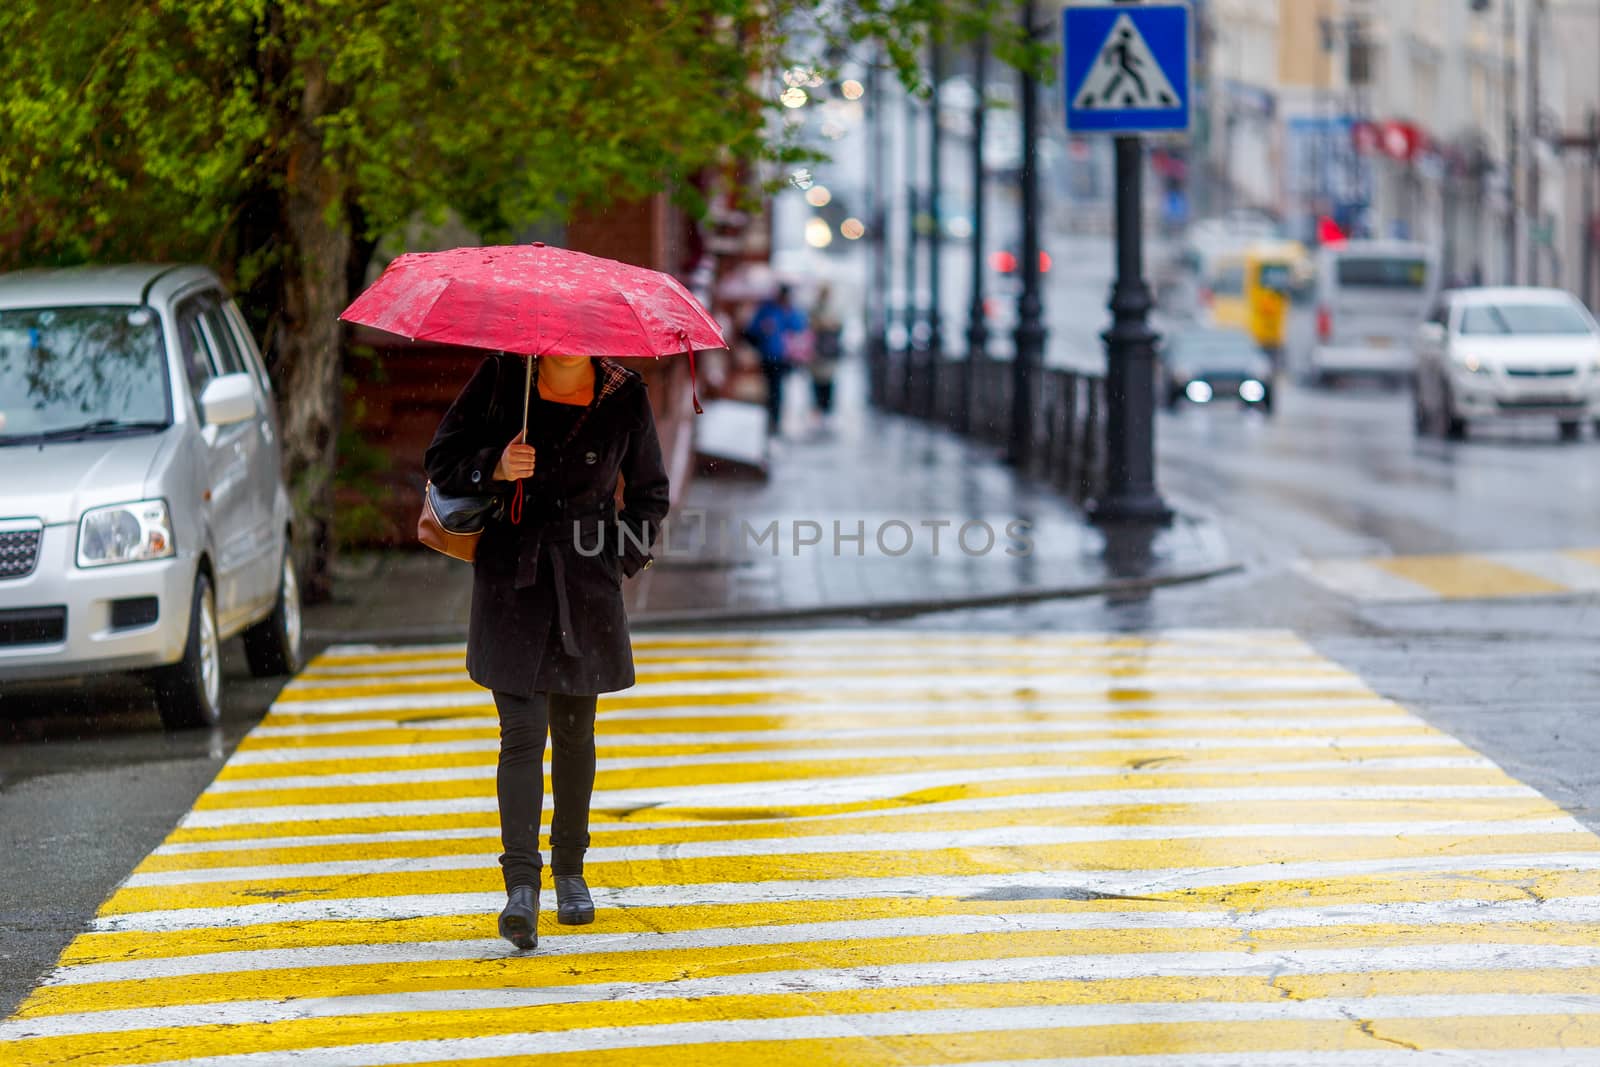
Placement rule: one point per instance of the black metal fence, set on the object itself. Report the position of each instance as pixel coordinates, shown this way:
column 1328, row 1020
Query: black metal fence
column 1066, row 438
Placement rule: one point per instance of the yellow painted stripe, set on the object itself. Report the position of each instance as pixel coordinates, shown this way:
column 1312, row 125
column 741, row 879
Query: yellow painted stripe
column 479, row 704
column 1465, row 577
column 687, row 775
column 669, row 965
column 156, row 1045
column 1114, row 855
column 912, row 820
column 1355, row 777
column 481, row 724
column 1175, row 1039
column 1316, row 737
column 434, row 684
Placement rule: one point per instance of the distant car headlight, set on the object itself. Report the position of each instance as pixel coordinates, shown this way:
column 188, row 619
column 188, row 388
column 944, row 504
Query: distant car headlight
column 125, row 533
column 1199, row 392
column 1252, row 391
column 1472, row 364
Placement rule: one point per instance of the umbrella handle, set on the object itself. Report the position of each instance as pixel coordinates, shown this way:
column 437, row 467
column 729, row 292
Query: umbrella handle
column 694, row 388
column 527, row 400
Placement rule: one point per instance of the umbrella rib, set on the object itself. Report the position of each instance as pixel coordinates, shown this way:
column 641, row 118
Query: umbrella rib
column 643, row 329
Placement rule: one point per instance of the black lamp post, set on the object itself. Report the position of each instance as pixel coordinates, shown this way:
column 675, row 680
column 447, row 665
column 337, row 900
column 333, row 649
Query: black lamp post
column 977, row 328
column 1030, row 332
column 908, row 355
column 935, row 356
column 878, row 217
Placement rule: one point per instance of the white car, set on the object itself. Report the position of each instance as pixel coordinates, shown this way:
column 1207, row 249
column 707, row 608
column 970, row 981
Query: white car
column 1507, row 353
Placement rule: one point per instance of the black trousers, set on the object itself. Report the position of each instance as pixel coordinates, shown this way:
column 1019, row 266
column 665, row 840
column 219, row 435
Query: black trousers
column 524, row 721
column 776, row 373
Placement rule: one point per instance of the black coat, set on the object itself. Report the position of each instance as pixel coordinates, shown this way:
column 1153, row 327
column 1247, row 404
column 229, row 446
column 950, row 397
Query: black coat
column 547, row 610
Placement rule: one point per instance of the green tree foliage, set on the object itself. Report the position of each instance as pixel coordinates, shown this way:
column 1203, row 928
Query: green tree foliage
column 279, row 140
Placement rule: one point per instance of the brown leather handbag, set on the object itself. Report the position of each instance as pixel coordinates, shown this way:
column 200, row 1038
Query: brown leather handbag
column 453, row 524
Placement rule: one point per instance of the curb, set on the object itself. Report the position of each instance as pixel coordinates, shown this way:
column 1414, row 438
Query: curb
column 873, row 610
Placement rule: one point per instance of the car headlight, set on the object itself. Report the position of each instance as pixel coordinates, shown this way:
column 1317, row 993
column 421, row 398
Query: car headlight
column 1472, row 364
column 125, row 533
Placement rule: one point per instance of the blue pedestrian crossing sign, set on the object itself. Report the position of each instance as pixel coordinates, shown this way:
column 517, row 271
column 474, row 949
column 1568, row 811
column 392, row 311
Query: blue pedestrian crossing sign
column 1128, row 68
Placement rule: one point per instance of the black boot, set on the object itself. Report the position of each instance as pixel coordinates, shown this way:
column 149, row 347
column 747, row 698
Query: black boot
column 574, row 906
column 519, row 922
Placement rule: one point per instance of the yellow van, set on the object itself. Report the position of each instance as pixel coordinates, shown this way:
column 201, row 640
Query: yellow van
column 1224, row 292
column 1271, row 274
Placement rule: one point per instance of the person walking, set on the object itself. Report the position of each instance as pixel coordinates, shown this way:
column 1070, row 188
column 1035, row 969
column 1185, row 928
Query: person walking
column 548, row 629
column 827, row 330
column 775, row 322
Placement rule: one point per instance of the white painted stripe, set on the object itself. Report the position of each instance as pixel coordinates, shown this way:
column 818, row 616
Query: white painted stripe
column 1064, row 884
column 894, row 1023
column 1245, row 711
column 1399, row 1057
column 650, row 665
column 890, row 637
column 870, row 666
column 767, row 983
column 952, row 688
column 920, row 841
column 1241, row 732
column 1360, row 580
column 768, row 795
column 1578, row 575
column 1245, row 960
column 1025, row 801
column 344, row 778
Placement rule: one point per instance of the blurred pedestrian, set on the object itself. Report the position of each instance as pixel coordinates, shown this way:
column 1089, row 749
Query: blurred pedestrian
column 775, row 322
column 827, row 330
column 548, row 629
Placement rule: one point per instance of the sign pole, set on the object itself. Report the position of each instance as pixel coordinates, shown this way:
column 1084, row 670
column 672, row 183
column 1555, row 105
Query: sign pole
column 1130, row 493
column 1129, row 72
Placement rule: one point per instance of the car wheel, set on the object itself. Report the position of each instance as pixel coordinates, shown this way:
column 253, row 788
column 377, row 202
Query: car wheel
column 1419, row 412
column 1571, row 429
column 273, row 645
column 1455, row 427
column 189, row 693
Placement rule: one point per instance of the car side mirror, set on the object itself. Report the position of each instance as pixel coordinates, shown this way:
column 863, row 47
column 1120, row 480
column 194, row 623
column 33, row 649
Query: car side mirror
column 228, row 399
column 1430, row 333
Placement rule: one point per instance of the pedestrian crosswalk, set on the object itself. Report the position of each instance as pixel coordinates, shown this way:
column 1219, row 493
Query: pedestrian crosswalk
column 860, row 847
column 1462, row 576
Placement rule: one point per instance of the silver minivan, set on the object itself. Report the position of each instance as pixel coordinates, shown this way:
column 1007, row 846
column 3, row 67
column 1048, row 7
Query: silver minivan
column 143, row 515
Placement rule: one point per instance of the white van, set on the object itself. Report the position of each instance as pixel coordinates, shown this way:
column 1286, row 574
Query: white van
column 1371, row 297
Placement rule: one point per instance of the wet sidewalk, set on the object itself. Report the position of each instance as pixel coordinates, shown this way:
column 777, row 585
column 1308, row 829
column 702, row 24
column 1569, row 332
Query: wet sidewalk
column 871, row 515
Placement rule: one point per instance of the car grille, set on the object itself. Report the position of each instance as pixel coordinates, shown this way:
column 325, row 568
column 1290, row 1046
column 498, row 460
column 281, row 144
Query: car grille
column 19, row 551
column 1541, row 372
column 33, row 626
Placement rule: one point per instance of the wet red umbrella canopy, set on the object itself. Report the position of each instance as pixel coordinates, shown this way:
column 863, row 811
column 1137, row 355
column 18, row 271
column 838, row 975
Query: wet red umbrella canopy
column 536, row 300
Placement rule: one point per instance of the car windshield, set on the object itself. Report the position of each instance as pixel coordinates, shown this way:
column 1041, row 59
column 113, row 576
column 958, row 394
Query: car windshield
column 1382, row 272
column 1215, row 351
column 77, row 371
column 1501, row 319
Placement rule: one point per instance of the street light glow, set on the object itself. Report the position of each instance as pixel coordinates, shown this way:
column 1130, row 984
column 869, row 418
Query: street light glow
column 852, row 89
column 794, row 96
column 818, row 233
column 851, row 229
column 818, row 196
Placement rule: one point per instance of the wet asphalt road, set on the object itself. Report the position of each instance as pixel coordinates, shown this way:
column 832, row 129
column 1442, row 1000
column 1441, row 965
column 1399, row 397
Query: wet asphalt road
column 86, row 792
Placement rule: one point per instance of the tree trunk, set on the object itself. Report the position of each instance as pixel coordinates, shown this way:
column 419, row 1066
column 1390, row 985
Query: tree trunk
column 318, row 245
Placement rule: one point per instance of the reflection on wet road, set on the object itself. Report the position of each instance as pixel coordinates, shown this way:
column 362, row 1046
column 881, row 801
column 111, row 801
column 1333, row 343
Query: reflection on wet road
column 859, row 847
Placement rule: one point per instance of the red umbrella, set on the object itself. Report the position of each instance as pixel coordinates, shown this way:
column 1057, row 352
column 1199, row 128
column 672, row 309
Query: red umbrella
column 535, row 300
